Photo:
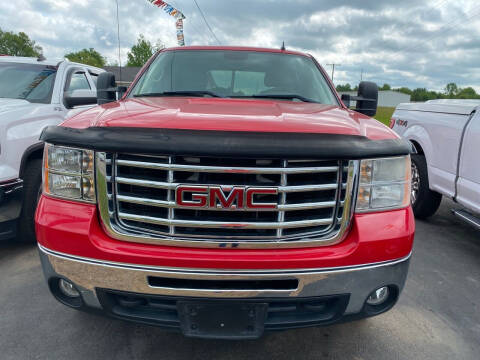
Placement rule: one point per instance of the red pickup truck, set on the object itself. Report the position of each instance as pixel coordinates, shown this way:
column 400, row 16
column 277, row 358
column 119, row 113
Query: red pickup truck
column 229, row 192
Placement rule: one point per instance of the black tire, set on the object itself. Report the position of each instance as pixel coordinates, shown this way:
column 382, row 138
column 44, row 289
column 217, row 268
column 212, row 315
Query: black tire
column 426, row 202
column 32, row 186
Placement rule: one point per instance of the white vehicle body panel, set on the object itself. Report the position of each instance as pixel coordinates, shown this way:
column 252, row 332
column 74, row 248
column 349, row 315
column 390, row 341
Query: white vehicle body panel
column 21, row 121
column 468, row 185
column 445, row 131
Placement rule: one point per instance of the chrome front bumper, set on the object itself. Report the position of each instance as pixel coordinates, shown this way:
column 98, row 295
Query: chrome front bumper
column 357, row 281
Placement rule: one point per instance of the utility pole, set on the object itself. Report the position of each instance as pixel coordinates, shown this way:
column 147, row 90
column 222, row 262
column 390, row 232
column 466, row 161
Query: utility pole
column 333, row 69
column 361, row 75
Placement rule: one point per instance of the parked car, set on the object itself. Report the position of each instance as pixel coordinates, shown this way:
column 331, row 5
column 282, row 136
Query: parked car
column 34, row 93
column 230, row 191
column 445, row 134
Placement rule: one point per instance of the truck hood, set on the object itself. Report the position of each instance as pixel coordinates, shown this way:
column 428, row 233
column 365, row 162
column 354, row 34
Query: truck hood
column 231, row 115
column 7, row 105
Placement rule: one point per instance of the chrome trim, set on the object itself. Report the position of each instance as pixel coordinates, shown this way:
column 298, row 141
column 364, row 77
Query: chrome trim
column 11, row 186
column 358, row 281
column 172, row 185
column 227, row 169
column 172, row 204
column 107, row 210
column 224, row 224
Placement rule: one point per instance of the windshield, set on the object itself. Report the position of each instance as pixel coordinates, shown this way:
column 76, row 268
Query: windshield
column 30, row 82
column 235, row 74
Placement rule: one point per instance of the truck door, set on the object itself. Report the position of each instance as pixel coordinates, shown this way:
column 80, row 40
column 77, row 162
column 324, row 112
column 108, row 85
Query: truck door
column 468, row 181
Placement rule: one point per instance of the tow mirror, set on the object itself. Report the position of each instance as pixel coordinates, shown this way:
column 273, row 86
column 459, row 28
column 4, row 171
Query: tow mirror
column 106, row 89
column 79, row 97
column 367, row 98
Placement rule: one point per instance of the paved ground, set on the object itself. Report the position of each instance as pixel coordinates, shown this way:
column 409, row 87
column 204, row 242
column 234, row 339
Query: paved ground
column 437, row 317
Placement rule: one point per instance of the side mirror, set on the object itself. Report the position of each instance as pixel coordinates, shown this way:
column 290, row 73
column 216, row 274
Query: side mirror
column 79, row 97
column 106, row 88
column 367, row 99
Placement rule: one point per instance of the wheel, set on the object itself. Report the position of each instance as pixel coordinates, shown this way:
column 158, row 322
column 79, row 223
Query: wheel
column 425, row 202
column 32, row 189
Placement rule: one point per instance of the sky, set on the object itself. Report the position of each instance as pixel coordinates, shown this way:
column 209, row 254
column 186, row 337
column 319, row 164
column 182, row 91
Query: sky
column 421, row 43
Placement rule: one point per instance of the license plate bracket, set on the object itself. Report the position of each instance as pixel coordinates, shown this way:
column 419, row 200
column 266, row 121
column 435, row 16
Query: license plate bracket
column 222, row 319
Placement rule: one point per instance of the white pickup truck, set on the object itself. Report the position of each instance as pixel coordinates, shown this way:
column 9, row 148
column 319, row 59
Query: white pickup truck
column 34, row 93
column 446, row 137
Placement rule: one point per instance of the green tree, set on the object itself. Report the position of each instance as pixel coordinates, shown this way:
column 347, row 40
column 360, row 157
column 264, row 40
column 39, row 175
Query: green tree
column 451, row 90
column 404, row 90
column 346, row 87
column 385, row 87
column 18, row 44
column 467, row 93
column 88, row 57
column 142, row 51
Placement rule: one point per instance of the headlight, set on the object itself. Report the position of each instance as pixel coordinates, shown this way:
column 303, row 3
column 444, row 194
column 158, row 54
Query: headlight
column 384, row 184
column 68, row 173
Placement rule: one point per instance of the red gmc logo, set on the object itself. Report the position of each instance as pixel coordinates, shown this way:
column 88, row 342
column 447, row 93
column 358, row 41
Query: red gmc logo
column 234, row 197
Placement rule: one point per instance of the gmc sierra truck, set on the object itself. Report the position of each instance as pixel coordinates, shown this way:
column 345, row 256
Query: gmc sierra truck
column 229, row 192
column 445, row 135
column 34, row 93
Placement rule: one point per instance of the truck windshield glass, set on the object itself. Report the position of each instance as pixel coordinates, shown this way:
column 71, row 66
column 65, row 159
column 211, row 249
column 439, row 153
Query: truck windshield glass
column 29, row 82
column 242, row 74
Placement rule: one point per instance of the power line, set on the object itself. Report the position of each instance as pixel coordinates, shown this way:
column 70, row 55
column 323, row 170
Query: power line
column 454, row 23
column 206, row 22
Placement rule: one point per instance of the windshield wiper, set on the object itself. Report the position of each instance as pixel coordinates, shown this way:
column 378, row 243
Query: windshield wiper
column 180, row 93
column 280, row 96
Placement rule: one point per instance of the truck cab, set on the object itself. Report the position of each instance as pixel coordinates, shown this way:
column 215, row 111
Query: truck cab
column 34, row 94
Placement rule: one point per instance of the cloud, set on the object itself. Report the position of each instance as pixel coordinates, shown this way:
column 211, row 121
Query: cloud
column 408, row 43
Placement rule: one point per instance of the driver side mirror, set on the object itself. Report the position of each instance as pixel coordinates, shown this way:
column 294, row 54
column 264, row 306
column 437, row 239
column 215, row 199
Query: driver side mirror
column 367, row 98
column 79, row 97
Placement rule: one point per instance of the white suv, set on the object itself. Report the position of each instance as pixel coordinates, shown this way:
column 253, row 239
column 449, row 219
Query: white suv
column 34, row 93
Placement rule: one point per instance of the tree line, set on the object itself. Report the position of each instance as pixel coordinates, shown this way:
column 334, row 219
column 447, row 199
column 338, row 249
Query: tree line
column 451, row 91
column 19, row 44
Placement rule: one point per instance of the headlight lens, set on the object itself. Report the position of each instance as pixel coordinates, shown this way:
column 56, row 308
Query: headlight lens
column 384, row 184
column 68, row 173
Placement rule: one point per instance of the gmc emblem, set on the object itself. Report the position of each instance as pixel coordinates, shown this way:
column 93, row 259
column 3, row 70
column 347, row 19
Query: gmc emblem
column 223, row 197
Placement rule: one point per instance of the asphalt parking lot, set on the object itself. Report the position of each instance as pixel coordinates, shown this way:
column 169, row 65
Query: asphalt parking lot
column 437, row 317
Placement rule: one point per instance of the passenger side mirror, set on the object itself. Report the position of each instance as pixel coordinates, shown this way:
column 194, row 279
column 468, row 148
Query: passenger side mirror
column 106, row 88
column 79, row 97
column 366, row 99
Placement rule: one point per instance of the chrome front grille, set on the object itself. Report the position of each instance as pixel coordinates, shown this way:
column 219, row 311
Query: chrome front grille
column 137, row 200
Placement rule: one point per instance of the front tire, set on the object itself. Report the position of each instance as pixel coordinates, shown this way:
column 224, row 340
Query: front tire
column 32, row 189
column 425, row 202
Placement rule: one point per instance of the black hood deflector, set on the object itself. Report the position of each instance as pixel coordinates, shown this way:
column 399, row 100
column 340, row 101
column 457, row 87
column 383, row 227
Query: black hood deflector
column 225, row 143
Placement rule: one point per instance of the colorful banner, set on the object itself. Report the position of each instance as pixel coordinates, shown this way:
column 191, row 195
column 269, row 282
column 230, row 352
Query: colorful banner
column 177, row 14
column 169, row 9
column 180, row 37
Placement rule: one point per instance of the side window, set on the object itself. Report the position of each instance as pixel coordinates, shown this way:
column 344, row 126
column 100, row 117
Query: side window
column 94, row 78
column 78, row 81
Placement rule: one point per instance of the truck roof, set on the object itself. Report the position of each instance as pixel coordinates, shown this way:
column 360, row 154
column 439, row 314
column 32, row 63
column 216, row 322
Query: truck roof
column 34, row 60
column 448, row 106
column 238, row 48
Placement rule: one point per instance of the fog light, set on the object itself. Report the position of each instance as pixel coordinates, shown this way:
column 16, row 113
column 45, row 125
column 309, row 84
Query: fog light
column 379, row 296
column 68, row 289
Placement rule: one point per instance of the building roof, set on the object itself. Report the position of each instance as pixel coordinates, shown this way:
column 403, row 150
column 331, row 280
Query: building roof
column 128, row 72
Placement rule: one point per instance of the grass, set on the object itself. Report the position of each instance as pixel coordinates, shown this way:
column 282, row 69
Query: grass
column 384, row 114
